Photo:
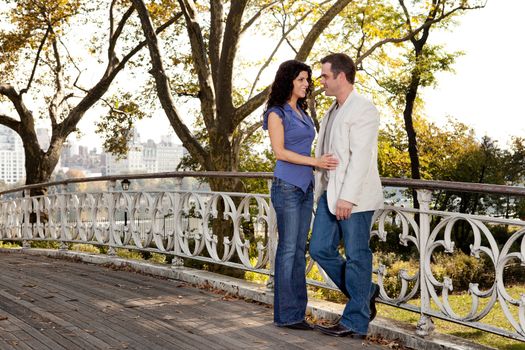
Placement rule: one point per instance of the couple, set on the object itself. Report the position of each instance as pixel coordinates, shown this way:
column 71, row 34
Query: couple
column 347, row 188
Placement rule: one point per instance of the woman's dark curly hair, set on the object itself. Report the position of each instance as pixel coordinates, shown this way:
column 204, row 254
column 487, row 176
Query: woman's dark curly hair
column 282, row 86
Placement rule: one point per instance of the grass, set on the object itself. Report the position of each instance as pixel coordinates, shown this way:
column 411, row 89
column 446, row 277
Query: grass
column 461, row 304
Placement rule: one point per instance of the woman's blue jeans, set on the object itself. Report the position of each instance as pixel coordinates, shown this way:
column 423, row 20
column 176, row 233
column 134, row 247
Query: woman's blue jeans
column 294, row 213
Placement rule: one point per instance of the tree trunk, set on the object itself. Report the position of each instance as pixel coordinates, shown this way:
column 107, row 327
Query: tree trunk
column 410, row 99
column 39, row 166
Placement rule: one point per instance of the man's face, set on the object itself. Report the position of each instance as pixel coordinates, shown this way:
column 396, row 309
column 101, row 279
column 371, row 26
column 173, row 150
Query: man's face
column 328, row 80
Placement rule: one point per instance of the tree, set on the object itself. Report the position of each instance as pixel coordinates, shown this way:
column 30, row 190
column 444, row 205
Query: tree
column 214, row 47
column 422, row 61
column 452, row 153
column 37, row 64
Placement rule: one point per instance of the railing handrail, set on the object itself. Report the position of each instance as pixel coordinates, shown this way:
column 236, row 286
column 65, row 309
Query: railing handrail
column 518, row 191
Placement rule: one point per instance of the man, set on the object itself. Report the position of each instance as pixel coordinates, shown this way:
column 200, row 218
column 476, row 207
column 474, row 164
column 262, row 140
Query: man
column 347, row 196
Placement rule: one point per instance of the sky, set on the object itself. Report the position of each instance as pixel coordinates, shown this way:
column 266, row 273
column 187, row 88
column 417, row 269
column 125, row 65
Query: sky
column 485, row 92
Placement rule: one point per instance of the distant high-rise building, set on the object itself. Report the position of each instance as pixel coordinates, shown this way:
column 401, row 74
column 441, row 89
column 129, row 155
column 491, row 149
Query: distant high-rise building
column 148, row 157
column 12, row 160
column 132, row 163
column 169, row 155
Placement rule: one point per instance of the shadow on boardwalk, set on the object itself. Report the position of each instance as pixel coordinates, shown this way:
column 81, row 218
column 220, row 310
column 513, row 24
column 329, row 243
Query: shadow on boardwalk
column 58, row 304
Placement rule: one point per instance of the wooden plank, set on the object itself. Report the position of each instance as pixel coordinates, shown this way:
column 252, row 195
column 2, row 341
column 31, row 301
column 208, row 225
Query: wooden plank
column 89, row 320
column 75, row 302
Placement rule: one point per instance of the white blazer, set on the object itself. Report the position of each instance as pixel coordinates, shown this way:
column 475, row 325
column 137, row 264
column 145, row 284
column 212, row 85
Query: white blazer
column 354, row 142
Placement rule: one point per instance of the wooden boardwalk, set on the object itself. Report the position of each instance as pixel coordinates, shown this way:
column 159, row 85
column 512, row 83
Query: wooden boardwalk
column 55, row 304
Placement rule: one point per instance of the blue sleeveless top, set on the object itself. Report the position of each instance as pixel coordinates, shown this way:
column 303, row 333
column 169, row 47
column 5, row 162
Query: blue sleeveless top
column 298, row 137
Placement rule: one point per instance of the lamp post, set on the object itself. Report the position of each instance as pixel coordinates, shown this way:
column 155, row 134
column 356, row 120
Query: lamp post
column 125, row 186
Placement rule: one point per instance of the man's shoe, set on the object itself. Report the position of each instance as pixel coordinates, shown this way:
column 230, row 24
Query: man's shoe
column 338, row 330
column 373, row 309
column 303, row 326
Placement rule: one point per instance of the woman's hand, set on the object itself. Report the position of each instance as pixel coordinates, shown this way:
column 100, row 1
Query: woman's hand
column 327, row 161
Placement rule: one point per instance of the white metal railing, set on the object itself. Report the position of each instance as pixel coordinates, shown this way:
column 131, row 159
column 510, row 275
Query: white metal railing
column 180, row 223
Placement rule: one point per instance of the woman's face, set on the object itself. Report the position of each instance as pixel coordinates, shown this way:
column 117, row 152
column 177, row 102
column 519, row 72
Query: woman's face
column 300, row 85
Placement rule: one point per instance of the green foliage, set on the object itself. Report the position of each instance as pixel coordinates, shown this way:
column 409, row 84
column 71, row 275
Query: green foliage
column 394, row 265
column 117, row 128
column 129, row 254
column 10, row 245
column 462, row 269
column 85, row 248
column 441, row 150
column 30, row 21
column 45, row 244
column 324, row 293
column 452, row 153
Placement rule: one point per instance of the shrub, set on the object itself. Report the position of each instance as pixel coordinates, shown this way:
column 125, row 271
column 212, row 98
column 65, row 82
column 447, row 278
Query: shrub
column 462, row 269
column 394, row 265
column 45, row 244
column 86, row 248
column 10, row 244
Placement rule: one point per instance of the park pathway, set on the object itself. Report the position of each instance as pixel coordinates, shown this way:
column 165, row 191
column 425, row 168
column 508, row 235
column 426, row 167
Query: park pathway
column 57, row 304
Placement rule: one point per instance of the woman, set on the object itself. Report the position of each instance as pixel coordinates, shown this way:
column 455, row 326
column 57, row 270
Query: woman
column 291, row 134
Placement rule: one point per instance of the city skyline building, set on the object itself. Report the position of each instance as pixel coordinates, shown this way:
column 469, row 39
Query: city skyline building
column 148, row 157
column 12, row 159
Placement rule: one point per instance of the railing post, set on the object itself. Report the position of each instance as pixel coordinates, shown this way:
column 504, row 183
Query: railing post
column 63, row 218
column 272, row 241
column 26, row 220
column 177, row 261
column 111, row 218
column 425, row 324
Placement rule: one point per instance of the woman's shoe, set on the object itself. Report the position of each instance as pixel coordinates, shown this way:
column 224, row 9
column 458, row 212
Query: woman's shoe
column 303, row 325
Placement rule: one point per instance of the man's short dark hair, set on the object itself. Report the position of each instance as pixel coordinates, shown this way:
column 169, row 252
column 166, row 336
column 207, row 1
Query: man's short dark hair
column 341, row 62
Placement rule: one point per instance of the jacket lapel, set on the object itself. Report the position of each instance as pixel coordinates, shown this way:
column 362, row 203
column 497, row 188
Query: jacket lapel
column 342, row 111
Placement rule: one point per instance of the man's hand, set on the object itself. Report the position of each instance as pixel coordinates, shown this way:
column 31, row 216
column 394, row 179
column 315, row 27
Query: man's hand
column 343, row 209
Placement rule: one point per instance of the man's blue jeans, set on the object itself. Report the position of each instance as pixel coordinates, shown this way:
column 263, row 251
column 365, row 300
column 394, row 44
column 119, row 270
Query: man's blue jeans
column 352, row 275
column 294, row 213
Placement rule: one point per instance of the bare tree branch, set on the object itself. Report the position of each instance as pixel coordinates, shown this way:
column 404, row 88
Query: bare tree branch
column 250, row 130
column 11, row 123
column 318, row 28
column 143, row 43
column 252, row 20
column 241, row 136
column 232, row 31
column 215, row 43
column 59, row 92
column 281, row 40
column 200, row 62
column 97, row 91
column 407, row 15
column 412, row 34
column 363, row 36
column 35, row 65
column 252, row 104
column 26, row 118
column 164, row 91
column 115, row 35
